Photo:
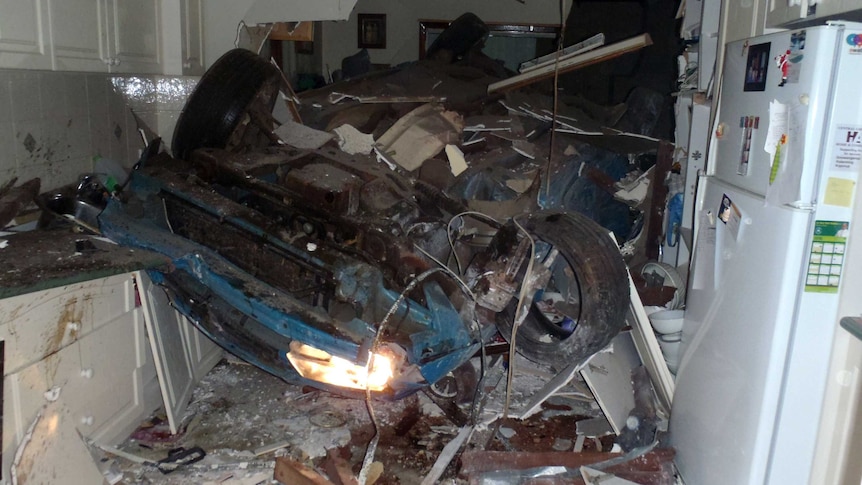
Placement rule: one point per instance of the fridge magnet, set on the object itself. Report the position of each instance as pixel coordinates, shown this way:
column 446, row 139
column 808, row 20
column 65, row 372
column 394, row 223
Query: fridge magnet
column 826, row 259
column 748, row 125
column 783, row 62
column 848, row 148
column 776, row 159
column 855, row 42
column 756, row 67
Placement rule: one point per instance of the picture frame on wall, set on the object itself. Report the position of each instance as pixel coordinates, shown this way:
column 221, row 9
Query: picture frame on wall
column 371, row 31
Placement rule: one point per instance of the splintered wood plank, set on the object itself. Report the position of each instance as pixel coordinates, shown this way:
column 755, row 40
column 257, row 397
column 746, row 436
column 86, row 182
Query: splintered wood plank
column 575, row 62
column 290, row 472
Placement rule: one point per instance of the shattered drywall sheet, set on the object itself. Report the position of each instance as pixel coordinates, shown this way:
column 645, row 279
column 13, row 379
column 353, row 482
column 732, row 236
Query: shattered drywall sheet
column 421, row 135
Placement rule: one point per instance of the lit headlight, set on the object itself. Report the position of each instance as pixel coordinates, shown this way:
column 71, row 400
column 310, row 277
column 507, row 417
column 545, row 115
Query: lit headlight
column 320, row 366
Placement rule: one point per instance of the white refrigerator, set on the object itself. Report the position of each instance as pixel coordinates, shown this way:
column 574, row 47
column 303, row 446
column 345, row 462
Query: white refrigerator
column 772, row 238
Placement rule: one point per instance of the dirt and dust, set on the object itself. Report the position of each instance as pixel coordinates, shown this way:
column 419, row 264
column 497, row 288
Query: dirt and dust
column 239, row 413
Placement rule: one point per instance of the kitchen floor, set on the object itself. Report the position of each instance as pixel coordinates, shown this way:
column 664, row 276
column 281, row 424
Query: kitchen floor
column 243, row 418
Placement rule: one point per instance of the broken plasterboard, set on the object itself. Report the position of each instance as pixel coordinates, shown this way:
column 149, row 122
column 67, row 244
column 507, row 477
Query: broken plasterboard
column 421, row 134
column 609, row 376
column 649, row 350
column 301, row 136
column 353, row 141
column 51, row 448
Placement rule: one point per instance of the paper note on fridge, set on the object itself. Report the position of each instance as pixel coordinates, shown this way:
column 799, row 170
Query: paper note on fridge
column 839, row 192
column 778, row 126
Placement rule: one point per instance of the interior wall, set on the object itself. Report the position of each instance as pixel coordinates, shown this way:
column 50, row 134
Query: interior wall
column 53, row 123
column 402, row 24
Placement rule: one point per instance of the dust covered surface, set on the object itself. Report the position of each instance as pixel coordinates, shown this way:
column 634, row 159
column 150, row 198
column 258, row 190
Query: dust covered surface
column 38, row 260
column 238, row 410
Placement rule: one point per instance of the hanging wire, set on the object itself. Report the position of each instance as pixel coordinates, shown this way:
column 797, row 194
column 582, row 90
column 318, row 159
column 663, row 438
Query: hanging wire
column 372, row 445
column 560, row 47
column 519, row 316
column 449, row 233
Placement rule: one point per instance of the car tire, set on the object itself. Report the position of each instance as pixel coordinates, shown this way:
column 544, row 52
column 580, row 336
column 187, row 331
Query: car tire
column 215, row 112
column 603, row 281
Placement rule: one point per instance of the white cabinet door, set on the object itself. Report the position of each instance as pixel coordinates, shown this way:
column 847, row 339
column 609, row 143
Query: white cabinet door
column 779, row 12
column 182, row 354
column 827, row 8
column 192, row 37
column 134, row 36
column 79, row 45
column 24, row 34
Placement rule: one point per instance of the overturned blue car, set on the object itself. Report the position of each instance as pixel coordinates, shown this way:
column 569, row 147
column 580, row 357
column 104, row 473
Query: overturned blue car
column 339, row 272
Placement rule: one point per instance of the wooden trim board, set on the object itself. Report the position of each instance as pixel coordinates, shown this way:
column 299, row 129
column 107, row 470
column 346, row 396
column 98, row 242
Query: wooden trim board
column 595, row 56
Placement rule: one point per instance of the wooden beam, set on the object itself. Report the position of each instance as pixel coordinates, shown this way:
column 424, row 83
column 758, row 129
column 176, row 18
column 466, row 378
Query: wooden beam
column 572, row 63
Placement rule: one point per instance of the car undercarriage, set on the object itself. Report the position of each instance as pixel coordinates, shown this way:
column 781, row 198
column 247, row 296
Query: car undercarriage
column 337, row 271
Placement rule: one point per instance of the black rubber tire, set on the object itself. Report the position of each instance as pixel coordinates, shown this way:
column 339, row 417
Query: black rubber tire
column 604, row 291
column 217, row 105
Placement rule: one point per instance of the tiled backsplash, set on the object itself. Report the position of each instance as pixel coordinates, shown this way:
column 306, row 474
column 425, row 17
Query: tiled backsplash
column 53, row 124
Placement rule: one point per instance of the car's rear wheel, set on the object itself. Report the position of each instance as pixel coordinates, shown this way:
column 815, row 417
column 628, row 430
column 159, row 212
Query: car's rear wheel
column 584, row 304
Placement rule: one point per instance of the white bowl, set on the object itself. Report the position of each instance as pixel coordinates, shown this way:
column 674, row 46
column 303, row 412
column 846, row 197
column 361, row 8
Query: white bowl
column 667, row 321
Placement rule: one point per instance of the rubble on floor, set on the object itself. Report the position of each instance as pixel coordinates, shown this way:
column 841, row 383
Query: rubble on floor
column 246, row 420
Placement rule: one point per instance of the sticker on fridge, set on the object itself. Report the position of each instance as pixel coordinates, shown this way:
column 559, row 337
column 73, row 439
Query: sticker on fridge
column 826, row 259
column 855, row 43
column 848, row 148
column 789, row 62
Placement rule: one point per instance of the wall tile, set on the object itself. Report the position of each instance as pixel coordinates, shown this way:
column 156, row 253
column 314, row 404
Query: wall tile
column 139, row 92
column 98, row 88
column 77, row 97
column 28, row 142
column 53, row 91
column 80, row 137
column 26, row 100
column 52, row 124
column 5, row 97
column 8, row 161
column 55, row 136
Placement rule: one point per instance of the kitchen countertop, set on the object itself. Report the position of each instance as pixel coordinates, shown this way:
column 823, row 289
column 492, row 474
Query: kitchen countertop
column 38, row 260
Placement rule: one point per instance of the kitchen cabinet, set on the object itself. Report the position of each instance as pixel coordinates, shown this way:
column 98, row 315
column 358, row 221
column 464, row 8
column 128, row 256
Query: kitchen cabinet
column 83, row 349
column 192, row 34
column 808, row 13
column 106, row 35
column 182, row 26
column 116, row 36
column 781, row 12
column 24, row 34
column 84, row 346
column 134, row 36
